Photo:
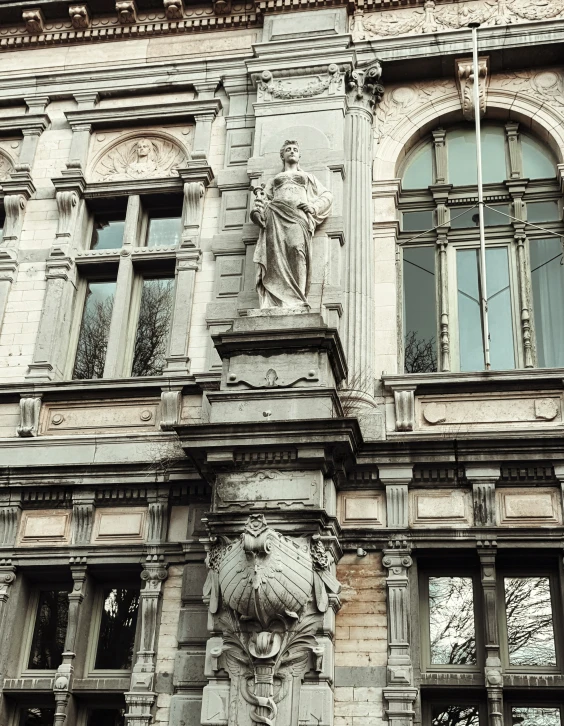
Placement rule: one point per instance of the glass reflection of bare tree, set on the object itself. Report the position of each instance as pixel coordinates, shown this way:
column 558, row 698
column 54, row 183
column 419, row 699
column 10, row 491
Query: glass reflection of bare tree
column 93, row 339
column 419, row 354
column 152, row 328
column 451, row 621
column 530, row 633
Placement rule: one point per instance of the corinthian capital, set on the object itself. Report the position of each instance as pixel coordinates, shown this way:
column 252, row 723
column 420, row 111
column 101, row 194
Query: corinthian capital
column 364, row 87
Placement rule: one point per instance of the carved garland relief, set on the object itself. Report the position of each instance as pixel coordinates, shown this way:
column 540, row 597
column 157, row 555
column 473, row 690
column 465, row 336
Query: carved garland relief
column 434, row 18
column 141, row 157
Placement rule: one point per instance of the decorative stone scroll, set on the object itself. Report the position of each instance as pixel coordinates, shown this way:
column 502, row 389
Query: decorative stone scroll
column 144, row 157
column 266, row 592
column 465, row 82
column 268, row 88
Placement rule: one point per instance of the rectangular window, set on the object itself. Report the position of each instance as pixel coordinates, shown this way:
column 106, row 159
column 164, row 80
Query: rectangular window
column 535, row 716
column 164, row 231
column 417, row 221
column 539, row 212
column 455, row 715
column 48, row 639
column 499, row 309
column 153, row 325
column 94, row 330
column 107, row 233
column 36, row 716
column 528, row 612
column 451, row 621
column 116, row 634
column 419, row 310
column 469, row 217
column 106, row 717
column 547, row 280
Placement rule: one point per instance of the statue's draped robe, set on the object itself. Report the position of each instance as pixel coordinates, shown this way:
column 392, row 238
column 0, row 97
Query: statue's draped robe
column 283, row 252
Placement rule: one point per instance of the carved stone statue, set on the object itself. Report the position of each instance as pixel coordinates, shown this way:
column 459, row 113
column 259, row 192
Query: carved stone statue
column 287, row 211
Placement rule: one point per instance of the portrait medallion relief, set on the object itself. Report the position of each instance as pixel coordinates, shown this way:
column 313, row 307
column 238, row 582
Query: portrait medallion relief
column 143, row 157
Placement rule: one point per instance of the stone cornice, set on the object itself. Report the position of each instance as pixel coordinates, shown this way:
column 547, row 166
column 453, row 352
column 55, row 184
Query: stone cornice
column 132, row 115
column 30, row 122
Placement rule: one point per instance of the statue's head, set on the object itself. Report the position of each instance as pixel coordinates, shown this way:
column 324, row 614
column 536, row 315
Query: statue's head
column 143, row 148
column 290, row 152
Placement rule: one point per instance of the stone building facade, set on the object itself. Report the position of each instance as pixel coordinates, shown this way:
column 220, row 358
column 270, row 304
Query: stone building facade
column 219, row 513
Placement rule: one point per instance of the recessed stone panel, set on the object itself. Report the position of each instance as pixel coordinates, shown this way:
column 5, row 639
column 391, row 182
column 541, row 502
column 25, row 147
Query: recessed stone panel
column 99, row 417
column 362, row 509
column 46, row 526
column 440, row 508
column 270, row 488
column 527, row 507
column 123, row 524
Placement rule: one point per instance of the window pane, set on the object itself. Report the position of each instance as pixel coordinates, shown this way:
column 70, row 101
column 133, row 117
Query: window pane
column 37, row 716
column 417, row 221
column 535, row 716
column 547, row 279
column 530, row 635
column 48, row 641
column 149, row 357
column 94, row 330
column 419, row 310
column 164, row 231
column 107, row 235
column 106, row 717
column 117, row 629
column 419, row 170
column 455, row 716
column 537, row 161
column 543, row 212
column 461, row 147
column 467, row 217
column 496, row 215
column 499, row 310
column 451, row 621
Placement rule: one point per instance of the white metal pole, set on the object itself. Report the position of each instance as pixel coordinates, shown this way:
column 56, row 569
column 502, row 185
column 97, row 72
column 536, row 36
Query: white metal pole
column 482, row 256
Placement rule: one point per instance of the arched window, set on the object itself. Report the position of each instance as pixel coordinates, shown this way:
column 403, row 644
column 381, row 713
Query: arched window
column 442, row 319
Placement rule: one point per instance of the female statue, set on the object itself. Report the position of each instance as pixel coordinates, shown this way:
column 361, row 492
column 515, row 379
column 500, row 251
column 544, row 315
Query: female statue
column 288, row 210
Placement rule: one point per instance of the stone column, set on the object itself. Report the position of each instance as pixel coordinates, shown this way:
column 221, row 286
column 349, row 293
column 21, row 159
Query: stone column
column 399, row 691
column 364, row 92
column 141, row 695
column 492, row 670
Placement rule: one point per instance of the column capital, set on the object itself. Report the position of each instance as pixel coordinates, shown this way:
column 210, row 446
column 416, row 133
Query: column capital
column 363, row 86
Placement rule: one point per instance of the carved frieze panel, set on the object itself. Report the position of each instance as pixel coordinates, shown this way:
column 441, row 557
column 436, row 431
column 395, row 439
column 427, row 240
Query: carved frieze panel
column 448, row 508
column 463, row 412
column 269, row 488
column 46, row 526
column 119, row 524
column 546, row 86
column 146, row 154
column 434, row 18
column 529, row 507
column 328, row 83
column 361, row 509
column 99, row 417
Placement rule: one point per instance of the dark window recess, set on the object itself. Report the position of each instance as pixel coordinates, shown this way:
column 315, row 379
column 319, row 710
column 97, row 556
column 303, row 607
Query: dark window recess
column 37, row 716
column 455, row 716
column 48, row 640
column 117, row 629
column 106, row 717
column 153, row 326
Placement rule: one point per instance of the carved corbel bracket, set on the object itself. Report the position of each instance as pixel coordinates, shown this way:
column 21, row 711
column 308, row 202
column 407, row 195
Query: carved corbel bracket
column 30, row 408
column 80, row 16
column 17, row 191
column 483, row 480
column 158, row 517
column 34, row 21
column 196, row 177
column 171, row 405
column 404, row 401
column 465, row 82
column 82, row 518
column 363, row 86
column 174, row 9
column 126, row 11
column 396, row 479
column 9, row 516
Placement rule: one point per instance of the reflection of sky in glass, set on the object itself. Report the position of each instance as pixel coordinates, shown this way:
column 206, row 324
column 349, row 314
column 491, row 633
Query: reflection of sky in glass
column 164, row 231
column 536, row 716
column 419, row 170
column 108, row 235
column 537, row 161
column 451, row 621
column 530, row 634
column 419, row 312
column 455, row 716
column 547, row 280
column 461, row 148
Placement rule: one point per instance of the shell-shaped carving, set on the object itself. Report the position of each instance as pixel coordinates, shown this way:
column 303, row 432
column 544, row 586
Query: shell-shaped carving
column 141, row 157
column 6, row 167
column 267, row 582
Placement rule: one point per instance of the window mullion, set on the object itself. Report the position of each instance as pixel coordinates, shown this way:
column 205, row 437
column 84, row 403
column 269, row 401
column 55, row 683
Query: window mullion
column 119, row 327
column 492, row 669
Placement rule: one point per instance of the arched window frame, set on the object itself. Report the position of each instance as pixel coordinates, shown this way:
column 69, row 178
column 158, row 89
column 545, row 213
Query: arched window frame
column 437, row 204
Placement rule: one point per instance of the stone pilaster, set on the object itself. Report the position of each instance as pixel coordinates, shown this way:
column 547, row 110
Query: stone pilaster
column 364, row 92
column 492, row 670
column 396, row 479
column 399, row 692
